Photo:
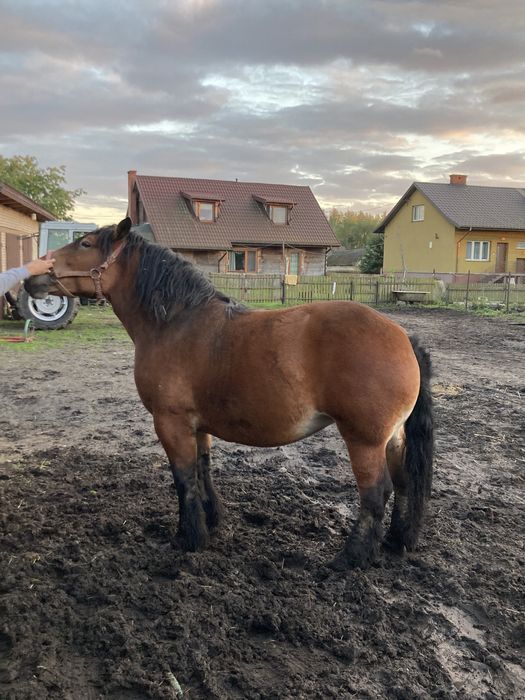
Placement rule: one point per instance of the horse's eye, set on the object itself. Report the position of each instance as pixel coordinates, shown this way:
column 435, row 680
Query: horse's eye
column 85, row 244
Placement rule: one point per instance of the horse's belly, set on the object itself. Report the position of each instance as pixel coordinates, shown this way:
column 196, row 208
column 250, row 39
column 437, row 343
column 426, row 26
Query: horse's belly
column 266, row 433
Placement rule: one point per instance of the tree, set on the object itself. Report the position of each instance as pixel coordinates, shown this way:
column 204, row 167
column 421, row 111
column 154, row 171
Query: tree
column 353, row 228
column 372, row 260
column 45, row 186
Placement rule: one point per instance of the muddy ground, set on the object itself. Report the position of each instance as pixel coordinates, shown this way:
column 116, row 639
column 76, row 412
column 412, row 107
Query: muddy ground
column 97, row 600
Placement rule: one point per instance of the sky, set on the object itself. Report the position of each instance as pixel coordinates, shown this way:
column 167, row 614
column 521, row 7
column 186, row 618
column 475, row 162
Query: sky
column 354, row 98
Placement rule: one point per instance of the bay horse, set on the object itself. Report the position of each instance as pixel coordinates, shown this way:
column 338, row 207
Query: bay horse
column 206, row 365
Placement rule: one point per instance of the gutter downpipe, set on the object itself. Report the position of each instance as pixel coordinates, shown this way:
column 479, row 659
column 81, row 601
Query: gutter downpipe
column 220, row 260
column 457, row 247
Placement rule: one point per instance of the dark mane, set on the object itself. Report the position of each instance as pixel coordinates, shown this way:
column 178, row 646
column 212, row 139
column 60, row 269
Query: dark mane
column 166, row 282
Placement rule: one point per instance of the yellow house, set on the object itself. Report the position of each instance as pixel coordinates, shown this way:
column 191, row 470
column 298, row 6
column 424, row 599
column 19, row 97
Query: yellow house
column 456, row 228
column 20, row 218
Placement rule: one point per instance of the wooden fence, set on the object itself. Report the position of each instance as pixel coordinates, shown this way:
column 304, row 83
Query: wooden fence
column 368, row 289
column 508, row 293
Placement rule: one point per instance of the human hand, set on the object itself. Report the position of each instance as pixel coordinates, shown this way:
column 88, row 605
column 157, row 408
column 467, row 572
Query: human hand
column 39, row 267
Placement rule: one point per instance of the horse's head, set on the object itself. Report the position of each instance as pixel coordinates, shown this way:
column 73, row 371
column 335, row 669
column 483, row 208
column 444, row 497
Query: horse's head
column 84, row 267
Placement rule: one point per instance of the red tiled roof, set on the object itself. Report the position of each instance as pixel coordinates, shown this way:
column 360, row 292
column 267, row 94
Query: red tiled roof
column 241, row 220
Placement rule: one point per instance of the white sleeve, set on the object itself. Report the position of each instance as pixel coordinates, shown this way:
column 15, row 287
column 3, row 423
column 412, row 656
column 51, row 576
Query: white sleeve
column 11, row 277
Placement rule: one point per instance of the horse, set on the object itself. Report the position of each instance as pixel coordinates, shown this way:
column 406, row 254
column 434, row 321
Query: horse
column 206, row 365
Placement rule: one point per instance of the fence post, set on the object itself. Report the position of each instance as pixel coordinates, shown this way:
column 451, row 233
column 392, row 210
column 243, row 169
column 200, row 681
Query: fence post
column 507, row 294
column 466, row 291
column 377, row 293
column 351, row 290
column 283, row 294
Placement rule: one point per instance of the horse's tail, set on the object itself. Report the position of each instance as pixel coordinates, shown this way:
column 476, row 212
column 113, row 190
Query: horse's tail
column 419, row 448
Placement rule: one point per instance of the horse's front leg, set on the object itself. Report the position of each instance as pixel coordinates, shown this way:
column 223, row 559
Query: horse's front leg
column 210, row 499
column 180, row 443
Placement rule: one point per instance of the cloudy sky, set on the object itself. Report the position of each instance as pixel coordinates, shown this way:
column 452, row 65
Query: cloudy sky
column 355, row 98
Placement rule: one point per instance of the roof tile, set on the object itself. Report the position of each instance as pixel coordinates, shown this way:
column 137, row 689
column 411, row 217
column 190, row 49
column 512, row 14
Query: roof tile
column 242, row 219
column 471, row 206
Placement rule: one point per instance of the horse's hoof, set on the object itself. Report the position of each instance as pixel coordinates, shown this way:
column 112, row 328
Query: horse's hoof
column 394, row 545
column 354, row 556
column 193, row 541
column 195, row 545
column 339, row 562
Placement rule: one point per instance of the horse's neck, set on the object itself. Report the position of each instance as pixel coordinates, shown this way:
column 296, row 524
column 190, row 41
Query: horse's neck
column 124, row 301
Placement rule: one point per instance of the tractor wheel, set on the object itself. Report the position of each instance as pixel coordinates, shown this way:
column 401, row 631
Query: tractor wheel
column 50, row 313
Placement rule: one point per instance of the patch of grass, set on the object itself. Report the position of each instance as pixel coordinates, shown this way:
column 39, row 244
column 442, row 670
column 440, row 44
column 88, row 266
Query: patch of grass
column 498, row 313
column 93, row 324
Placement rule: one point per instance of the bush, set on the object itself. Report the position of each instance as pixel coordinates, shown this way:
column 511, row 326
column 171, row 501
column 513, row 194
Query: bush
column 372, row 260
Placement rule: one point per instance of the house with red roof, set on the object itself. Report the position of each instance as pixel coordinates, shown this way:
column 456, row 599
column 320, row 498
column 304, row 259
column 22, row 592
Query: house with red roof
column 231, row 226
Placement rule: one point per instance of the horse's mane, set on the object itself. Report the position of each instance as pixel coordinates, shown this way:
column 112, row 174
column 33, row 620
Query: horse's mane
column 165, row 282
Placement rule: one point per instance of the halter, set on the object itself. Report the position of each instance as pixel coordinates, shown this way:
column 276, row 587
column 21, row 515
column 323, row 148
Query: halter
column 95, row 273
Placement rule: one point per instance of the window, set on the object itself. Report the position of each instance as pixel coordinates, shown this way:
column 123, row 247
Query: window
column 418, row 212
column 293, row 260
column 520, row 245
column 478, row 250
column 205, row 211
column 279, row 215
column 243, row 261
column 56, row 238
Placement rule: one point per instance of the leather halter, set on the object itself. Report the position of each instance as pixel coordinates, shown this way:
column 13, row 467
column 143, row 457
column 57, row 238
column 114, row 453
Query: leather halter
column 95, row 273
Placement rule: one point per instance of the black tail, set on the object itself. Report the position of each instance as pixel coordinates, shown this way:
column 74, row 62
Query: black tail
column 419, row 442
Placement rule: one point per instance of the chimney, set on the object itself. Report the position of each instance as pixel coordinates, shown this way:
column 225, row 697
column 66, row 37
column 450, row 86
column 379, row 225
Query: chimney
column 458, row 179
column 132, row 197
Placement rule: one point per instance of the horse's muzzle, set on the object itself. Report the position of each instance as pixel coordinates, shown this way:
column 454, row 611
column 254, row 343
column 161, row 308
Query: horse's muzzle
column 39, row 286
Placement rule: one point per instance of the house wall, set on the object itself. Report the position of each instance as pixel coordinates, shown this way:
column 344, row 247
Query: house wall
column 206, row 260
column 512, row 238
column 269, row 261
column 15, row 247
column 419, row 246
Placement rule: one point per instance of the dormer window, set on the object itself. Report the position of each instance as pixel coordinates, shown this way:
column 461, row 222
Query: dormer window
column 205, row 207
column 278, row 211
column 204, row 211
column 279, row 215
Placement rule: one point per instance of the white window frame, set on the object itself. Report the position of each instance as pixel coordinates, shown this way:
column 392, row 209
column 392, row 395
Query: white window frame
column 271, row 212
column 481, row 246
column 418, row 212
column 200, row 204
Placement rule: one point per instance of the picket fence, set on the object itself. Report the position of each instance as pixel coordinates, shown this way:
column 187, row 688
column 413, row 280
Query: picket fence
column 268, row 289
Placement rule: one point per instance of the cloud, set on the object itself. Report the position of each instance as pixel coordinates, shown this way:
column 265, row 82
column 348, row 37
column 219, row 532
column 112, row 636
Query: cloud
column 356, row 99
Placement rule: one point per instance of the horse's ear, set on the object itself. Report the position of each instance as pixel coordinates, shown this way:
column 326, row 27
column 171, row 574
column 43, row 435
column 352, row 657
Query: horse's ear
column 122, row 229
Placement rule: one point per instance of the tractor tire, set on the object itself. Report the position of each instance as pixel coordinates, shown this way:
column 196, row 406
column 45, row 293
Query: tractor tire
column 50, row 313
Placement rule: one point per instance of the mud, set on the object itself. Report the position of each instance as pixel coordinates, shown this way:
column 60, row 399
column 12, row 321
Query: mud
column 97, row 600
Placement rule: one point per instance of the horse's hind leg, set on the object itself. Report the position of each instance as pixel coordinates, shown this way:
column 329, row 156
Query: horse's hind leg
column 210, row 499
column 375, row 487
column 180, row 445
column 395, row 454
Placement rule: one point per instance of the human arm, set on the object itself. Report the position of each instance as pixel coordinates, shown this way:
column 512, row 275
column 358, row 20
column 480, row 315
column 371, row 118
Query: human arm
column 11, row 277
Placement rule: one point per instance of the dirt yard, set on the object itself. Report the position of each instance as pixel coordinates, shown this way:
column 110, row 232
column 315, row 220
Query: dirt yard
column 97, row 600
